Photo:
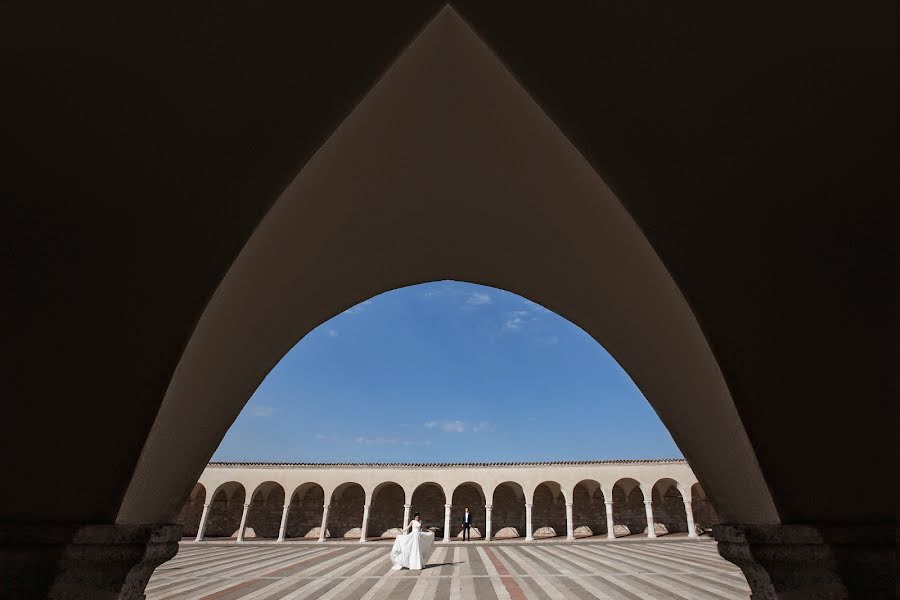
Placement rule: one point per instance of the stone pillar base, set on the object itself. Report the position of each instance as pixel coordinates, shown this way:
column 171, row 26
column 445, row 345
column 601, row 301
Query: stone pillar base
column 65, row 562
column 790, row 562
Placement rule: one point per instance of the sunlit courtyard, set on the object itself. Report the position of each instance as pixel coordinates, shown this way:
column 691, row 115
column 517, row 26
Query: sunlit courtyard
column 624, row 569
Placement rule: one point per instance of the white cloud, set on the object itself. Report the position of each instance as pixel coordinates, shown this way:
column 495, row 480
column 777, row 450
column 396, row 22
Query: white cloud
column 260, row 411
column 431, row 424
column 478, row 298
column 532, row 418
column 483, row 426
column 453, row 426
column 376, row 441
column 517, row 319
column 321, row 436
column 333, row 333
column 388, row 441
column 354, row 310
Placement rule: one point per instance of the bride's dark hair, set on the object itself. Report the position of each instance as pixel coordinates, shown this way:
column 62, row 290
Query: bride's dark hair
column 415, row 515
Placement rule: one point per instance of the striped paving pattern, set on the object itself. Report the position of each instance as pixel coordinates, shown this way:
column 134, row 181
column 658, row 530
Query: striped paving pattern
column 583, row 570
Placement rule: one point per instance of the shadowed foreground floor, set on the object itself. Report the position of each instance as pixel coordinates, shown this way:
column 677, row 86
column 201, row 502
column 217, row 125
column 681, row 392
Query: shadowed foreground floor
column 587, row 569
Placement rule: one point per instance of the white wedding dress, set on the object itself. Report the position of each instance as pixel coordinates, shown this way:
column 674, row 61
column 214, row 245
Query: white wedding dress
column 411, row 550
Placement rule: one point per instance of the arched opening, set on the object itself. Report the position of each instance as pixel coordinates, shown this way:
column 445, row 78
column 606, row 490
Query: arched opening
column 468, row 494
column 429, row 499
column 578, row 252
column 508, row 511
column 225, row 511
column 305, row 512
column 192, row 511
column 588, row 509
column 668, row 508
column 548, row 511
column 264, row 514
column 386, row 510
column 705, row 515
column 345, row 511
column 629, row 513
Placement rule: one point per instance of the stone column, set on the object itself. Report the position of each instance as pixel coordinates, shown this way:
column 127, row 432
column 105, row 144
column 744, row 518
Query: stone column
column 365, row 523
column 610, row 524
column 447, row 522
column 406, row 508
column 822, row 561
column 528, row 532
column 202, row 529
column 692, row 529
column 283, row 527
column 240, row 537
column 648, row 508
column 487, row 522
column 74, row 561
column 570, row 525
column 324, row 528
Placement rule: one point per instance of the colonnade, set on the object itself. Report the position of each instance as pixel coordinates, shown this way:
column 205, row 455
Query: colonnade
column 546, row 499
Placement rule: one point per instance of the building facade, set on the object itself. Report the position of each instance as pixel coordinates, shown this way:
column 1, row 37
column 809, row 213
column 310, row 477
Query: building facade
column 507, row 500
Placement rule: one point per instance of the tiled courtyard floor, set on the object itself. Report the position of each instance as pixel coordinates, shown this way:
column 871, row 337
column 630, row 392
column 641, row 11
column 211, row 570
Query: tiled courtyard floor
column 626, row 569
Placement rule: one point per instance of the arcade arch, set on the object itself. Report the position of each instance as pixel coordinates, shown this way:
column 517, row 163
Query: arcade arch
column 305, row 511
column 386, row 509
column 588, row 509
column 508, row 512
column 628, row 507
column 222, row 517
column 429, row 499
column 548, row 511
column 265, row 510
column 471, row 495
column 346, row 510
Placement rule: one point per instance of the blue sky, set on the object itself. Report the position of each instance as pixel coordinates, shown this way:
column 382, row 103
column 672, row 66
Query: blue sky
column 446, row 372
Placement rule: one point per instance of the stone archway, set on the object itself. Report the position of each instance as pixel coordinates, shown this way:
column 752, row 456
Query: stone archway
column 264, row 514
column 548, row 510
column 429, row 499
column 305, row 512
column 468, row 494
column 225, row 511
column 668, row 506
column 704, row 512
column 628, row 506
column 386, row 509
column 345, row 512
column 192, row 511
column 508, row 510
column 588, row 508
column 574, row 242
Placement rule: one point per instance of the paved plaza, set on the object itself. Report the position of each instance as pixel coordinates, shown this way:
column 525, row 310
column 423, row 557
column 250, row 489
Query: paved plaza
column 626, row 569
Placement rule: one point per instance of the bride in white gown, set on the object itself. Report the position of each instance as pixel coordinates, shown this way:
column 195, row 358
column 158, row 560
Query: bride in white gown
column 411, row 550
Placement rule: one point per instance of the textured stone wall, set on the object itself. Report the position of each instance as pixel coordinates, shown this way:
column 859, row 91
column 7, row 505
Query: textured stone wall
column 346, row 511
column 508, row 510
column 548, row 511
column 386, row 511
column 264, row 514
column 466, row 495
column 704, row 514
column 589, row 510
column 225, row 514
column 305, row 512
column 428, row 499
column 629, row 510
column 191, row 512
column 668, row 509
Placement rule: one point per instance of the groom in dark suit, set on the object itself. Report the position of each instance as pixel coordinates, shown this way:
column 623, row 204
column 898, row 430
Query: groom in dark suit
column 467, row 522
